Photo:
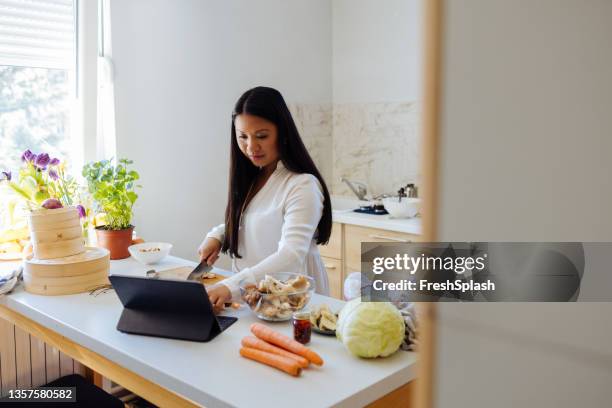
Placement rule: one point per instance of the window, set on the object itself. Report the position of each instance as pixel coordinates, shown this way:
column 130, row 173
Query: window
column 37, row 81
column 34, row 113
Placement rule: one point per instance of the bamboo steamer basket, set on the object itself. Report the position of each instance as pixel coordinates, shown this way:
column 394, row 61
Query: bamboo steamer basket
column 69, row 275
column 56, row 233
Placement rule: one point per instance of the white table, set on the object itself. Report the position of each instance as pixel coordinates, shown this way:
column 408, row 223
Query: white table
column 210, row 374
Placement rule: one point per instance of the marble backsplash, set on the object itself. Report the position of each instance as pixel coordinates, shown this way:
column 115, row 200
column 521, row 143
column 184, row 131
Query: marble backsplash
column 375, row 143
column 314, row 122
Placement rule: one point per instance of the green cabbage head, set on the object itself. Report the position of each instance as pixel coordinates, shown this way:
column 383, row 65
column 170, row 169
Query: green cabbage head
column 370, row 329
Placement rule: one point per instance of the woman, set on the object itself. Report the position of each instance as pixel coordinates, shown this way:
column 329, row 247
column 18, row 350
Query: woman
column 278, row 206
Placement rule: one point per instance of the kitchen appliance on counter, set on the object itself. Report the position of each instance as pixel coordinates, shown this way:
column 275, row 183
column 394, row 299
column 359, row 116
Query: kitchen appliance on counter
column 374, row 206
column 375, row 209
column 411, row 190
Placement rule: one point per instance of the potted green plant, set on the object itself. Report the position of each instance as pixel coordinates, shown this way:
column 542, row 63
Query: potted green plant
column 112, row 186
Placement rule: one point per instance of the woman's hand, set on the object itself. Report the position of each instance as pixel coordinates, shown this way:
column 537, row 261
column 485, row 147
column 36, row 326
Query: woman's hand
column 219, row 295
column 209, row 250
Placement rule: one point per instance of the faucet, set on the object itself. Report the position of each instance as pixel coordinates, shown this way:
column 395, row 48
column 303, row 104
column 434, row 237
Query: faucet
column 359, row 188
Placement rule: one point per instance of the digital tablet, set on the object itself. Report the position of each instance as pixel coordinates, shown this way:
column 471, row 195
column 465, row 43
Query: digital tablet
column 167, row 308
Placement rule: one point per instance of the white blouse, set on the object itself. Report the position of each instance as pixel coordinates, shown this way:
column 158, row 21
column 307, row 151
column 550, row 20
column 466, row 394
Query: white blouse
column 277, row 230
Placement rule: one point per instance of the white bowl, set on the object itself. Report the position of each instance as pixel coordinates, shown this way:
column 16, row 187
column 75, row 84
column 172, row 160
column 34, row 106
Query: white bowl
column 406, row 208
column 150, row 252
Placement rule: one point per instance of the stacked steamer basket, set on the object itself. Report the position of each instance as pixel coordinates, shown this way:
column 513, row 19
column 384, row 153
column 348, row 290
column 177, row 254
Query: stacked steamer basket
column 60, row 263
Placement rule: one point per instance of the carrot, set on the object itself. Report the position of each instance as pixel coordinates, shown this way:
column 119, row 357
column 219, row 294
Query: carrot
column 285, row 364
column 280, row 340
column 259, row 344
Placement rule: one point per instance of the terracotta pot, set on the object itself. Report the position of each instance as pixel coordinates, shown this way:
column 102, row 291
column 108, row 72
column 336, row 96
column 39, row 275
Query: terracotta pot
column 116, row 241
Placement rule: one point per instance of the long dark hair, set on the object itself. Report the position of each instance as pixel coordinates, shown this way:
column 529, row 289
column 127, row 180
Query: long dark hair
column 268, row 103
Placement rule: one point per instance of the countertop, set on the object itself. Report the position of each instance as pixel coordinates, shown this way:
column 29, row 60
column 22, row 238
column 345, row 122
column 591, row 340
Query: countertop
column 342, row 212
column 213, row 373
column 407, row 225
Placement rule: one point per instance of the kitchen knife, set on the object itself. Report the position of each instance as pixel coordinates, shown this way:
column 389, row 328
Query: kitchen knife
column 199, row 270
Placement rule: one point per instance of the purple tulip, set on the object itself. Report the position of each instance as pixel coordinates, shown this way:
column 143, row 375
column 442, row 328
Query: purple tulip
column 7, row 175
column 27, row 156
column 54, row 162
column 81, row 210
column 42, row 160
column 53, row 174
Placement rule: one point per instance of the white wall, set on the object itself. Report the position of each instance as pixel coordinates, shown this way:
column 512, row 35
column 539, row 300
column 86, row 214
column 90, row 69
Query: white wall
column 376, row 64
column 180, row 67
column 525, row 142
column 376, row 50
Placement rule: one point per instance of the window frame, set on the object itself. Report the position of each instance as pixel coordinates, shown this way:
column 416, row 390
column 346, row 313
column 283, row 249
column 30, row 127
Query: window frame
column 83, row 82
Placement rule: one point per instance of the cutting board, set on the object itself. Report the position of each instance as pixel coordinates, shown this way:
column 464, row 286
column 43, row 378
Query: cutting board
column 182, row 272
